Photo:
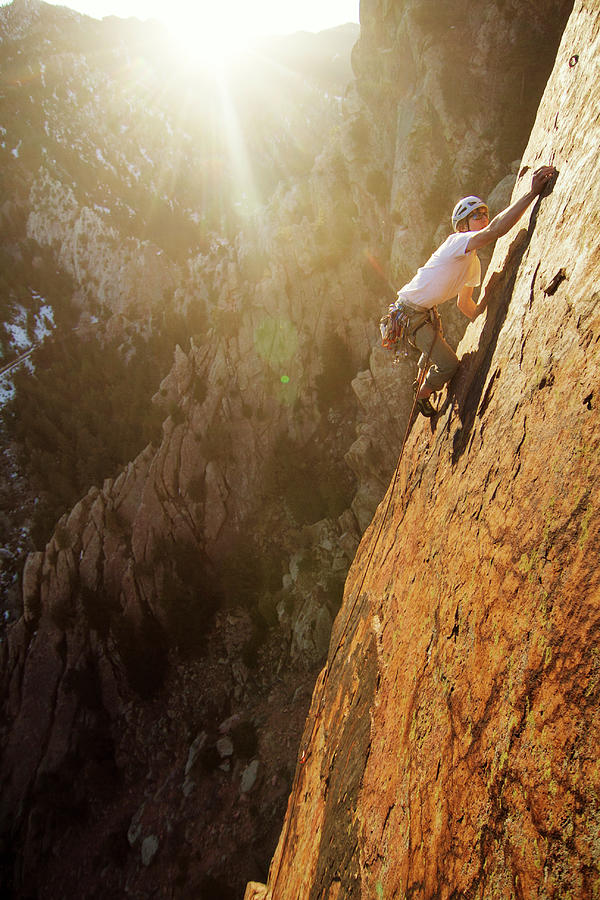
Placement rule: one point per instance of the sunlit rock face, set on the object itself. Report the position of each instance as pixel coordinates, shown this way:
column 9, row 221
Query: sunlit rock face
column 449, row 127
column 451, row 745
column 453, row 92
column 181, row 607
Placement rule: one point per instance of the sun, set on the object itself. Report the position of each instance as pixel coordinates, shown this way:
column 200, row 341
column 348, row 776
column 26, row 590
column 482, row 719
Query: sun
column 209, row 40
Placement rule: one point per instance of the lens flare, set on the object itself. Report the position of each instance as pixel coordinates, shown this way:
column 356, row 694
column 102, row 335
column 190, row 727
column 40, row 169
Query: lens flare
column 276, row 341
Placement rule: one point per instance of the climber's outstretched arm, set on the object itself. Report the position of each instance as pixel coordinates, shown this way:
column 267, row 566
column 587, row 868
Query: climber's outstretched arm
column 504, row 221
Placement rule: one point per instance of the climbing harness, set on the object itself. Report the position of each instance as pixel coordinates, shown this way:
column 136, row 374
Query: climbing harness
column 305, row 755
column 395, row 326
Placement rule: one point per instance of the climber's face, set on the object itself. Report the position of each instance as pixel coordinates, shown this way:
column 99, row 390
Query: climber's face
column 478, row 219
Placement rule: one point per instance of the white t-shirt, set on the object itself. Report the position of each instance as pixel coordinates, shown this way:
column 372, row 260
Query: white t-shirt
column 444, row 274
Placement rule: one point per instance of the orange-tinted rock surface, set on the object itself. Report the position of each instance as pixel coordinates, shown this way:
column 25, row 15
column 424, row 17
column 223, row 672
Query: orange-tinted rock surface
column 122, row 689
column 452, row 745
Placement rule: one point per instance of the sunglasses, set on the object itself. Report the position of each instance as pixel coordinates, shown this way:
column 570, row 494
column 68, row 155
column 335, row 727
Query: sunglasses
column 479, row 213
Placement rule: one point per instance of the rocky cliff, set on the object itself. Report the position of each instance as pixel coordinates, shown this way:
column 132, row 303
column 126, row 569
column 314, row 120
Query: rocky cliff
column 451, row 746
column 155, row 685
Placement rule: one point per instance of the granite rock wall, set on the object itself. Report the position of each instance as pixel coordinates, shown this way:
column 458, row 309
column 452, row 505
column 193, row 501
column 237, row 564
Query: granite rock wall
column 450, row 746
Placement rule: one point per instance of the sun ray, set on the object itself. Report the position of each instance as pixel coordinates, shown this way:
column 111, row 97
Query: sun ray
column 245, row 190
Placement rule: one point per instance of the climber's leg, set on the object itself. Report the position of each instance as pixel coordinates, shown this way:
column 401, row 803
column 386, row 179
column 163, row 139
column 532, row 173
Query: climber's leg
column 443, row 359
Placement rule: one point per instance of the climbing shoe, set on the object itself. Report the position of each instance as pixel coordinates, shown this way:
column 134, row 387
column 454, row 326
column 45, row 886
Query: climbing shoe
column 426, row 408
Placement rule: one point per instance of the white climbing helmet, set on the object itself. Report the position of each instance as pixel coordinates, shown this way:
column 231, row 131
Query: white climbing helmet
column 464, row 208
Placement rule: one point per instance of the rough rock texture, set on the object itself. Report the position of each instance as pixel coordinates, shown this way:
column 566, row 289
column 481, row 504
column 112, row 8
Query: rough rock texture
column 446, row 127
column 262, row 399
column 425, row 70
column 119, row 190
column 183, row 790
column 451, row 747
column 120, row 666
column 141, row 646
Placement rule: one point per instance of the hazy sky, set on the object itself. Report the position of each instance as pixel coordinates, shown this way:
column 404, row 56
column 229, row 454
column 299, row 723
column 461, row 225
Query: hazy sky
column 259, row 16
column 214, row 26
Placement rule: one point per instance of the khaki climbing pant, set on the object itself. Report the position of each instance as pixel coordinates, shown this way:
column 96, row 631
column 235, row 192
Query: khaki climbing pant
column 424, row 331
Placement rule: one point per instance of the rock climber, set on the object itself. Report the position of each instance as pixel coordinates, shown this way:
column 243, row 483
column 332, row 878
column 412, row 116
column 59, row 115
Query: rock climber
column 453, row 271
